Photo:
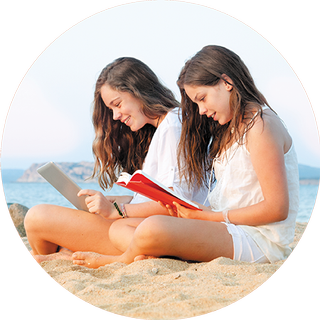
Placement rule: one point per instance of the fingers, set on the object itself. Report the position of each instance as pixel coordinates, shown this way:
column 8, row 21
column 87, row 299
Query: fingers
column 94, row 204
column 91, row 198
column 91, row 195
column 162, row 205
column 91, row 206
column 177, row 205
column 173, row 210
column 181, row 210
column 87, row 192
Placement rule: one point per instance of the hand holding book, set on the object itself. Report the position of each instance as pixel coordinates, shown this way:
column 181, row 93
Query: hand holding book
column 176, row 210
column 141, row 183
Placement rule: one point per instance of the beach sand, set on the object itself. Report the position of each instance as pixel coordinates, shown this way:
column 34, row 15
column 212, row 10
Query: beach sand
column 163, row 288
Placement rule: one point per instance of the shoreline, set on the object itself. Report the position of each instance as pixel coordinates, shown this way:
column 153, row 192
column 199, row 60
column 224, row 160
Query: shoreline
column 309, row 181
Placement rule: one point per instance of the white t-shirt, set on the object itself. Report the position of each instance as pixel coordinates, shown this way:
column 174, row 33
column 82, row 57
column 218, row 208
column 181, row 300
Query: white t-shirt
column 161, row 160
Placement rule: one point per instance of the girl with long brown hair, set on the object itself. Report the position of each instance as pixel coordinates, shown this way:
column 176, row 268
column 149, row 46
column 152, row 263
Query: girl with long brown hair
column 137, row 126
column 227, row 128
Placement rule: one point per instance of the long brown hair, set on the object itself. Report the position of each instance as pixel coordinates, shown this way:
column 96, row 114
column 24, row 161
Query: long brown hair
column 203, row 139
column 116, row 148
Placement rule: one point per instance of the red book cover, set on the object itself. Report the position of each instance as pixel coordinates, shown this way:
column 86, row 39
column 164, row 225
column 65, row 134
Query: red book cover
column 141, row 183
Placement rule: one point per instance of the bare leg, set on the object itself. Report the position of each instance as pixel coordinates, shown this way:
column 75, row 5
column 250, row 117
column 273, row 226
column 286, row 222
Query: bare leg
column 187, row 239
column 50, row 226
column 62, row 254
column 120, row 234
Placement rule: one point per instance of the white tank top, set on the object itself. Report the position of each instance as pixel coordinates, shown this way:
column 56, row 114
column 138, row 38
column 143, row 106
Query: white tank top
column 237, row 186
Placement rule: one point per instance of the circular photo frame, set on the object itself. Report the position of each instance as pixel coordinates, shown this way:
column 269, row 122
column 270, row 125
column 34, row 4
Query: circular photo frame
column 49, row 119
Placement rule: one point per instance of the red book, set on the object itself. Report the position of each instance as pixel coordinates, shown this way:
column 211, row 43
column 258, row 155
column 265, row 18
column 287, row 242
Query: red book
column 141, row 183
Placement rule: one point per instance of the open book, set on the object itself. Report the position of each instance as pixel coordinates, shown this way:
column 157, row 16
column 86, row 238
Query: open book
column 141, row 183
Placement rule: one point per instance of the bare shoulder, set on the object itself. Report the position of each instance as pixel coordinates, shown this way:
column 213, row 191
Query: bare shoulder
column 269, row 128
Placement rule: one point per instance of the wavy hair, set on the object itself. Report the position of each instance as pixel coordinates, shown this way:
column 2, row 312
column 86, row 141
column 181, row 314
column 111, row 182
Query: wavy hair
column 116, row 148
column 202, row 139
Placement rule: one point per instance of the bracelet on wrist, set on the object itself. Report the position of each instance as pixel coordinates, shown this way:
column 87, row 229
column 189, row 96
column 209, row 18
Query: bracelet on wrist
column 225, row 215
column 118, row 209
column 123, row 210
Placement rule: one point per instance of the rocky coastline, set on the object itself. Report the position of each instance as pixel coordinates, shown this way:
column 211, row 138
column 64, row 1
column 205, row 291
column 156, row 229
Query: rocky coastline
column 79, row 172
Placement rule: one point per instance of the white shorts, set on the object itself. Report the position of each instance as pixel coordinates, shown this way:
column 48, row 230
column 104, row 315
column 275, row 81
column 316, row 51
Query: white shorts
column 244, row 248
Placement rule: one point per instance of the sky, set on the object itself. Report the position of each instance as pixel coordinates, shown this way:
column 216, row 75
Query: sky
column 50, row 116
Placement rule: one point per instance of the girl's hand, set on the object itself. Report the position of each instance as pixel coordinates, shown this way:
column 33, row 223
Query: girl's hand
column 171, row 210
column 97, row 203
column 181, row 212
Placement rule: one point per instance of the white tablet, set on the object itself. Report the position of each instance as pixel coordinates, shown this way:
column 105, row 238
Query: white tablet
column 60, row 181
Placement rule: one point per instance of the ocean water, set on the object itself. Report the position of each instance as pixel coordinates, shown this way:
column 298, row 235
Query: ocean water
column 31, row 194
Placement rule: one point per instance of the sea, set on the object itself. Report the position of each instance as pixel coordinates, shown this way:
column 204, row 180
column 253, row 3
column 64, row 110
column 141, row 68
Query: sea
column 31, row 194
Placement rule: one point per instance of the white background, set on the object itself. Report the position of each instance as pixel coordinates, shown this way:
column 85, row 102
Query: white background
column 49, row 118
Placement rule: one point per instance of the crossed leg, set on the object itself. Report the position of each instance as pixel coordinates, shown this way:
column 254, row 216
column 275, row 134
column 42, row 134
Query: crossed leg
column 50, row 226
column 158, row 236
column 120, row 234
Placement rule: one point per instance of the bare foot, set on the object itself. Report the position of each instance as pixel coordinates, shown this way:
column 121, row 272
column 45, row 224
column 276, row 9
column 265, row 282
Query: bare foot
column 66, row 251
column 143, row 257
column 63, row 254
column 93, row 260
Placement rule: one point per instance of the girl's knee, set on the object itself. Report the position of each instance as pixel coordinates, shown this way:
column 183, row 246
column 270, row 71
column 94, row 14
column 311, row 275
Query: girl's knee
column 34, row 216
column 151, row 231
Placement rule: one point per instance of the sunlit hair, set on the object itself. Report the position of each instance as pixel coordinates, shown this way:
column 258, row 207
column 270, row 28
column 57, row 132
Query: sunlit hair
column 116, row 148
column 203, row 139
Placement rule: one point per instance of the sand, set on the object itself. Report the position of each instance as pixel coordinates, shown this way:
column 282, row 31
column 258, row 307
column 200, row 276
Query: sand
column 163, row 288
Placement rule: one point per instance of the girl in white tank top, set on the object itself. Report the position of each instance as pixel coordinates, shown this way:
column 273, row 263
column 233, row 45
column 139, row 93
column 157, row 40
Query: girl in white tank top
column 228, row 123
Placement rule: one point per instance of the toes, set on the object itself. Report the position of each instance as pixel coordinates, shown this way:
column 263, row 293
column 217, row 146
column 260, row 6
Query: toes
column 152, row 257
column 83, row 259
column 78, row 256
column 79, row 262
column 66, row 251
column 37, row 258
column 143, row 257
column 140, row 257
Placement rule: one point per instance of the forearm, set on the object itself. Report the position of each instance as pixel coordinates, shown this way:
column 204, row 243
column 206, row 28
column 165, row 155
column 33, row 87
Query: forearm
column 257, row 214
column 116, row 207
column 145, row 209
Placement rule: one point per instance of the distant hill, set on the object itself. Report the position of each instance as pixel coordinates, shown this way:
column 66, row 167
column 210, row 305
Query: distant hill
column 80, row 171
column 307, row 172
column 11, row 175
